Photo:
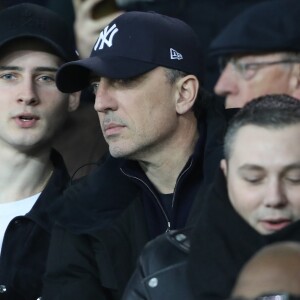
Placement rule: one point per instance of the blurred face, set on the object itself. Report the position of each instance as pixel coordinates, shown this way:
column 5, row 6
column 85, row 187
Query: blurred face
column 263, row 176
column 137, row 116
column 32, row 108
column 271, row 271
column 245, row 78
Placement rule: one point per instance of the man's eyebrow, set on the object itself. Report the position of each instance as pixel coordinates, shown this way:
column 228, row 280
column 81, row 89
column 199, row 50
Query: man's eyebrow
column 10, row 68
column 250, row 167
column 46, row 69
column 38, row 69
column 292, row 167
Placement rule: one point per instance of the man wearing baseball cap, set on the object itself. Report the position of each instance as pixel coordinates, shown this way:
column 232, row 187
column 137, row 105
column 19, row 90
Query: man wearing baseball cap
column 144, row 70
column 259, row 53
column 34, row 42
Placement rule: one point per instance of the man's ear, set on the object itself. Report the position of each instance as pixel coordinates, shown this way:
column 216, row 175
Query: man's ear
column 187, row 88
column 74, row 100
column 295, row 82
column 224, row 167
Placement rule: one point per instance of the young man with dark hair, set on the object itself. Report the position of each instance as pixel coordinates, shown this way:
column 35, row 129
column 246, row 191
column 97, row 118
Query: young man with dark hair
column 34, row 43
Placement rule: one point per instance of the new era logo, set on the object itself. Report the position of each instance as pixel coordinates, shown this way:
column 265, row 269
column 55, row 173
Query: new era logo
column 106, row 37
column 175, row 55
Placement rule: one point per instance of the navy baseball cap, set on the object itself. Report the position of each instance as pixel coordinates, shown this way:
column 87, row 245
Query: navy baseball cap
column 132, row 44
column 271, row 26
column 29, row 20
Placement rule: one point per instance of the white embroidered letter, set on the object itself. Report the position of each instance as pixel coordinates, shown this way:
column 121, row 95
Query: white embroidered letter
column 106, row 37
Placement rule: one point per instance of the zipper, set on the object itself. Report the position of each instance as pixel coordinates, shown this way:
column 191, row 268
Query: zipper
column 178, row 179
column 157, row 200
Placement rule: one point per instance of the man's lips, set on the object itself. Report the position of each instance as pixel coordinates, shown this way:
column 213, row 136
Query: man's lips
column 275, row 224
column 26, row 120
column 112, row 129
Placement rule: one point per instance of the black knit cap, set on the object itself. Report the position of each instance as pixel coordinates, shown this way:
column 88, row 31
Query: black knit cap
column 132, row 44
column 34, row 21
column 271, row 26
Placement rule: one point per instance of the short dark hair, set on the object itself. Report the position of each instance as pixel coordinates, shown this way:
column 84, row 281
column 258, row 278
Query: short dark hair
column 270, row 111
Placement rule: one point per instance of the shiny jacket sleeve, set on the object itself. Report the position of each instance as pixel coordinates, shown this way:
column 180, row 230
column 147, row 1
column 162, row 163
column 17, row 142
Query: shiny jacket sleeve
column 161, row 270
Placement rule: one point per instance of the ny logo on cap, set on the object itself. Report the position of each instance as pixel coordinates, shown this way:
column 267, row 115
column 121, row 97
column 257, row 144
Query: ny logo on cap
column 106, row 37
column 175, row 55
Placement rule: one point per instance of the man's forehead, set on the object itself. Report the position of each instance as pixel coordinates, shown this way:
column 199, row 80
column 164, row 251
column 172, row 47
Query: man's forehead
column 263, row 139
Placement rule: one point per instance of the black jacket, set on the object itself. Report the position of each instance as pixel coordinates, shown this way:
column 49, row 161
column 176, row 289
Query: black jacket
column 94, row 263
column 26, row 240
column 89, row 260
column 161, row 270
column 221, row 244
column 201, row 263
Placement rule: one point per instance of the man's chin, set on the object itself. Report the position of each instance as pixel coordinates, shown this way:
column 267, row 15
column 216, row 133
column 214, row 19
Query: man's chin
column 118, row 152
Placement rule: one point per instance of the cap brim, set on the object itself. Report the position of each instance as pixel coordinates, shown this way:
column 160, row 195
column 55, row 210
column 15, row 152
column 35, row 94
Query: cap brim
column 75, row 76
column 57, row 49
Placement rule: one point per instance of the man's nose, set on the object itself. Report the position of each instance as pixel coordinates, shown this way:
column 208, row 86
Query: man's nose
column 275, row 194
column 27, row 94
column 105, row 99
column 227, row 83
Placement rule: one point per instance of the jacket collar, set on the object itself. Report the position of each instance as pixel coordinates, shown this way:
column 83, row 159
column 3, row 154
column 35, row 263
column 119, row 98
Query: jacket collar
column 49, row 204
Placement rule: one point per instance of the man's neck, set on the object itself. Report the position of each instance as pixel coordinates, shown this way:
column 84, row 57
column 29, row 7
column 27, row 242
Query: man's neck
column 23, row 175
column 165, row 166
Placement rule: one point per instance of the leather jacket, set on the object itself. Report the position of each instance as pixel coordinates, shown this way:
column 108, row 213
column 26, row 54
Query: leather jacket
column 161, row 264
